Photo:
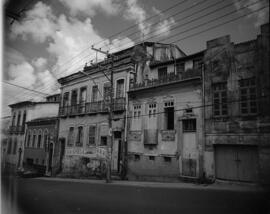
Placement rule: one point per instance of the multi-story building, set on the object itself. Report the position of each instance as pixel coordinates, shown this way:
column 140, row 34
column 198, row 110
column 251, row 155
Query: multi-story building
column 165, row 138
column 83, row 122
column 5, row 121
column 41, row 150
column 237, row 128
column 21, row 113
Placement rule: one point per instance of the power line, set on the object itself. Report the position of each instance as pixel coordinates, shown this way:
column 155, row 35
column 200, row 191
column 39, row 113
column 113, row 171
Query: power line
column 28, row 89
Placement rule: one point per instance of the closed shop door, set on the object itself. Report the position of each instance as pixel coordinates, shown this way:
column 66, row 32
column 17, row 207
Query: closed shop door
column 237, row 163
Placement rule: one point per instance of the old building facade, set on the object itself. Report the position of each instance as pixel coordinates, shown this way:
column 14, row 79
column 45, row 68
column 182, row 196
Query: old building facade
column 165, row 125
column 21, row 113
column 42, row 152
column 237, row 114
column 84, row 128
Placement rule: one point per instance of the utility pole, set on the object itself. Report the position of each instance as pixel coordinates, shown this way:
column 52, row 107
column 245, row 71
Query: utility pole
column 110, row 136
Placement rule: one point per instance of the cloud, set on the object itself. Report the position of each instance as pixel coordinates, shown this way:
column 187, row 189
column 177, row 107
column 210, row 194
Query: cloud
column 39, row 24
column 261, row 16
column 110, row 7
column 136, row 13
column 39, row 62
column 22, row 74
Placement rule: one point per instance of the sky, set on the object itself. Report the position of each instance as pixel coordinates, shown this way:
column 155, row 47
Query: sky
column 53, row 38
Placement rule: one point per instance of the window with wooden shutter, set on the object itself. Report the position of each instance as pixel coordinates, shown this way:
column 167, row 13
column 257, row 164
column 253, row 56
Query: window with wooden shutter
column 92, row 135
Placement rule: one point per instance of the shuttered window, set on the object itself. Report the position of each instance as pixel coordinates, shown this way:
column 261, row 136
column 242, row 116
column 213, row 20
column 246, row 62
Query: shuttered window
column 92, row 135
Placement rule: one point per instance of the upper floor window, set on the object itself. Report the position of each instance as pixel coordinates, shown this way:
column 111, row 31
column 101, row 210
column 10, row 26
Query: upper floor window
column 162, row 73
column 92, row 135
column 9, row 146
column 34, row 139
column 70, row 139
column 13, row 119
column 169, row 115
column 180, row 68
column 198, row 64
column 39, row 139
column 19, row 118
column 106, row 90
column 248, row 96
column 24, row 119
column 189, row 125
column 94, row 93
column 74, row 97
column 152, row 109
column 120, row 88
column 220, row 107
column 45, row 140
column 79, row 141
column 28, row 139
column 136, row 111
column 15, row 146
column 66, row 99
column 83, row 95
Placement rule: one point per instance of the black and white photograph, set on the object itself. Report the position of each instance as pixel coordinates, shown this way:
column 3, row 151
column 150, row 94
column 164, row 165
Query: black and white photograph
column 135, row 106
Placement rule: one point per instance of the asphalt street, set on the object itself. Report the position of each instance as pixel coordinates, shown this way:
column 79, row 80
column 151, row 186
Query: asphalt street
column 36, row 196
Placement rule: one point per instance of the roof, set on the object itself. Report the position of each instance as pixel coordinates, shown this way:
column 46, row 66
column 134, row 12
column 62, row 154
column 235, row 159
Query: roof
column 43, row 120
column 181, row 59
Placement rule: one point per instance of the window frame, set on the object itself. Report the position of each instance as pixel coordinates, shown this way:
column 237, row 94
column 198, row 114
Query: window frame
column 220, row 99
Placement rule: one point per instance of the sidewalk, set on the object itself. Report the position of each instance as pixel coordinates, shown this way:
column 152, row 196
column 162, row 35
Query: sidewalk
column 216, row 186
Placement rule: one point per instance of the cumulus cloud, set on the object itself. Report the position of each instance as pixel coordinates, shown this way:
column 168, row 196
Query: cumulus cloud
column 136, row 13
column 260, row 17
column 110, row 7
column 22, row 74
column 39, row 62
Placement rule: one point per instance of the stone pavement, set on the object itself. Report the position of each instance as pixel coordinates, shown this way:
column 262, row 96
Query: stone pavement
column 219, row 185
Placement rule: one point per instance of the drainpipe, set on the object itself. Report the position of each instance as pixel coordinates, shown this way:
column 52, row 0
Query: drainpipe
column 203, row 121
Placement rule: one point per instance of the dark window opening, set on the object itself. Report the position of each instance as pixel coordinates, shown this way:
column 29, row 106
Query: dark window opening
column 120, row 88
column 80, row 136
column 167, row 159
column 189, row 125
column 92, row 135
column 39, row 141
column 66, row 99
column 117, row 134
column 94, row 93
column 169, row 118
column 162, row 73
column 137, row 157
column 103, row 140
column 74, row 95
column 152, row 158
column 15, row 146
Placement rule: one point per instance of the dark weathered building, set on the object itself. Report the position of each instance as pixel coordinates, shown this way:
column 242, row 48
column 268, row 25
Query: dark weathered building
column 237, row 98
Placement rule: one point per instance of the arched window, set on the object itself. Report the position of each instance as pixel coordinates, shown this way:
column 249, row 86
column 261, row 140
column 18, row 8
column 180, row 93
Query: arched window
column 39, row 139
column 34, row 138
column 28, row 138
column 45, row 139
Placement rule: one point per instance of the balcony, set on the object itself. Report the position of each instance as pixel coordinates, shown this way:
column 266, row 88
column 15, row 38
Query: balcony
column 168, row 79
column 92, row 108
column 16, row 129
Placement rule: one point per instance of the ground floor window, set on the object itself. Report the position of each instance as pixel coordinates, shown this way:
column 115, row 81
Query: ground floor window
column 103, row 140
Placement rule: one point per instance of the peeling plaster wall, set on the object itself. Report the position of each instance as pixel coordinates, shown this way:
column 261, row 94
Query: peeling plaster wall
column 229, row 62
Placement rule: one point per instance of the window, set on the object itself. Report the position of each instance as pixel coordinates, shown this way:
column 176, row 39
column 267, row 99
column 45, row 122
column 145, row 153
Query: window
column 92, row 135
column 220, row 107
column 103, row 140
column 15, row 146
column 152, row 110
column 74, row 95
column 167, row 159
column 94, row 93
column 120, row 88
column 34, row 139
column 162, row 73
column 106, row 90
column 13, row 119
column 28, row 139
column 198, row 64
column 80, row 136
column 19, row 119
column 136, row 111
column 70, row 136
column 9, row 146
column 39, row 140
column 189, row 125
column 66, row 99
column 45, row 141
column 136, row 157
column 83, row 95
column 180, row 68
column 24, row 119
column 169, row 115
column 152, row 158
column 248, row 102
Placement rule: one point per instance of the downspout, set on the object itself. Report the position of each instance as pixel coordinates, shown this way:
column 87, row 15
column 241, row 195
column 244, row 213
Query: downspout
column 203, row 123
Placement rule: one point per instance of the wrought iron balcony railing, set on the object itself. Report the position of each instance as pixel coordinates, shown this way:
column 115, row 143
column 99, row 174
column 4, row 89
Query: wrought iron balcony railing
column 92, row 107
column 169, row 78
